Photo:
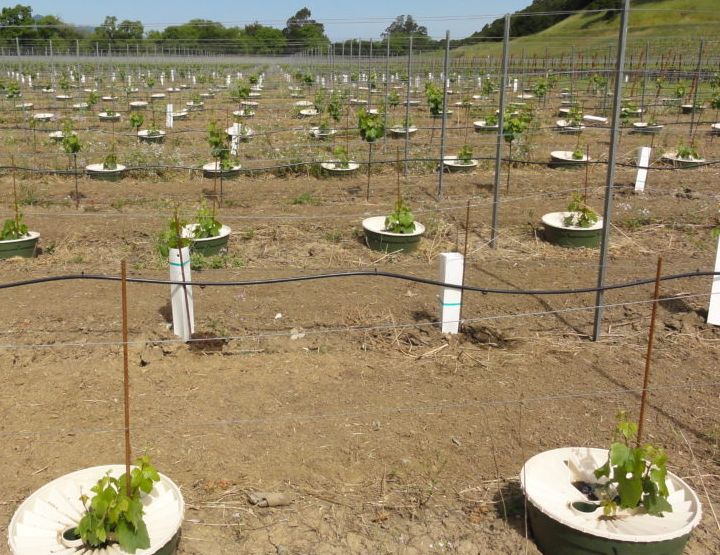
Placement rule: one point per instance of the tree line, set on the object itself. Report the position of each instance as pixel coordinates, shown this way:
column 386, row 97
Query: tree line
column 301, row 33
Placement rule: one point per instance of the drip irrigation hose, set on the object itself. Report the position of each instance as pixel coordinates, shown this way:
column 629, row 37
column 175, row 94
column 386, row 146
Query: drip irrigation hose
column 359, row 273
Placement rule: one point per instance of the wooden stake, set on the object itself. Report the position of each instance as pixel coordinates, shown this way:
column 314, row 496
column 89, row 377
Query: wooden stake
column 126, row 377
column 648, row 354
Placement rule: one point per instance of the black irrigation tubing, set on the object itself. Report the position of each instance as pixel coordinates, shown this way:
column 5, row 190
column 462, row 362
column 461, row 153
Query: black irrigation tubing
column 246, row 170
column 359, row 273
column 342, row 131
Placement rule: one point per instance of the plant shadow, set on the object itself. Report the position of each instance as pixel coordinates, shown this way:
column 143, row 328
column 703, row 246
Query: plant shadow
column 509, row 502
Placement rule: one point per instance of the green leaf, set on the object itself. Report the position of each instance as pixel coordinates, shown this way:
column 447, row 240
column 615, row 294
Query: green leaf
column 134, row 511
column 619, row 454
column 658, row 477
column 603, row 471
column 656, row 505
column 127, row 537
column 115, row 513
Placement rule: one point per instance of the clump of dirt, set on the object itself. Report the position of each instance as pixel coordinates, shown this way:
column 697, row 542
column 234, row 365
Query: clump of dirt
column 486, row 336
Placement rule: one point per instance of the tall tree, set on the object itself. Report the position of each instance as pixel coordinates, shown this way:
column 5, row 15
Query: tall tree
column 108, row 30
column 301, row 32
column 262, row 39
column 17, row 22
column 400, row 30
column 405, row 24
column 130, row 30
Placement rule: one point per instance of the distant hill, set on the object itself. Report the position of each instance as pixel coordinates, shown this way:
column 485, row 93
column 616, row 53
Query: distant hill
column 538, row 16
column 663, row 22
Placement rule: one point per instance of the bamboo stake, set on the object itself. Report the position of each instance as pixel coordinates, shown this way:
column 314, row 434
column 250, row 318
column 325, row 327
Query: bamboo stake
column 126, row 377
column 648, row 355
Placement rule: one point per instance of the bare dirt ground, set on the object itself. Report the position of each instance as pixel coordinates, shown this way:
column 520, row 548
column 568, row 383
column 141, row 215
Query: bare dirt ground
column 388, row 436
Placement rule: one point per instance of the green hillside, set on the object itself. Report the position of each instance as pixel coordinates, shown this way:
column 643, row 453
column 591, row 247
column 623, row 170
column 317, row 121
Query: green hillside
column 662, row 23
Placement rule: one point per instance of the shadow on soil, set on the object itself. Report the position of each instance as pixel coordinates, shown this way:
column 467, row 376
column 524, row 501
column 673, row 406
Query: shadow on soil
column 510, row 507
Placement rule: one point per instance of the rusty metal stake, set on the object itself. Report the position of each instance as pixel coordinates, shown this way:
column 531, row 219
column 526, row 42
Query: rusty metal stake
column 126, row 377
column 648, row 354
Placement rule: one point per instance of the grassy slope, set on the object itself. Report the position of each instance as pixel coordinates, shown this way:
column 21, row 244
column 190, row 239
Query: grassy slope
column 679, row 21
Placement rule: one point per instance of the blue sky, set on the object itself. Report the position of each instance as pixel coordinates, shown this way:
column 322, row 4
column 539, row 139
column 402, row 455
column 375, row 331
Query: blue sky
column 343, row 19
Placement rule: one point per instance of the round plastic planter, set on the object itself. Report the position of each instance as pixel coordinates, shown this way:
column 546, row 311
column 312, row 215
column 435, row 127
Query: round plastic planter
column 334, row 168
column 482, row 126
column 633, row 113
column 564, row 158
column 38, row 525
column 400, row 131
column 560, row 529
column 43, row 116
column 308, row 112
column 569, row 128
column 58, row 135
column 194, row 106
column 244, row 113
column 691, row 108
column 557, row 233
column 214, row 169
column 138, row 105
column 454, row 165
column 208, row 246
column 677, row 162
column 24, row 247
column 104, row 116
column 671, row 101
column 315, row 133
column 378, row 239
column 242, row 132
column 145, row 137
column 98, row 171
column 647, row 128
column 715, row 128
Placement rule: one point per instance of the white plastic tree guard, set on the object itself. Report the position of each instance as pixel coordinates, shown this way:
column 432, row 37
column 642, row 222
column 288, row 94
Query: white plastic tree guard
column 169, row 116
column 452, row 266
column 38, row 524
column 714, row 308
column 181, row 296
column 643, row 165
